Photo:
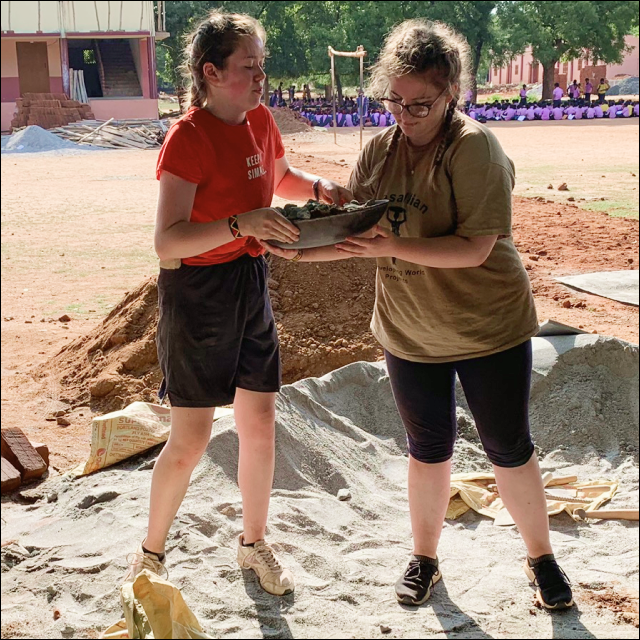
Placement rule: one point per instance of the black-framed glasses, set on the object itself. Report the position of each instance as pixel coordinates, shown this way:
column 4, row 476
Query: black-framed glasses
column 416, row 110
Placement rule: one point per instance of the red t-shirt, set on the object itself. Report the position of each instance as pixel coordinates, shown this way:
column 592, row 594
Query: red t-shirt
column 233, row 166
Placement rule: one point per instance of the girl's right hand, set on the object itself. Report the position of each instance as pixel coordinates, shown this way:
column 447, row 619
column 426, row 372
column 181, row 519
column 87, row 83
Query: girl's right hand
column 267, row 224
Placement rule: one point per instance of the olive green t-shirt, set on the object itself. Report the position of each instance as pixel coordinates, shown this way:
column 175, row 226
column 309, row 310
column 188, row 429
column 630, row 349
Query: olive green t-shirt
column 426, row 314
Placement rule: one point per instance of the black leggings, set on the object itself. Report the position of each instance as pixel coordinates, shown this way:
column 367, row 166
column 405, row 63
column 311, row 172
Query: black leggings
column 497, row 390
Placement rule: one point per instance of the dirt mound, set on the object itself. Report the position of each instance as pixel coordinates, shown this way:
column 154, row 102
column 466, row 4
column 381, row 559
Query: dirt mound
column 116, row 363
column 289, row 121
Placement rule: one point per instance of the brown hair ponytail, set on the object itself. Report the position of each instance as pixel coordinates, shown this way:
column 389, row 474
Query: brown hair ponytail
column 214, row 40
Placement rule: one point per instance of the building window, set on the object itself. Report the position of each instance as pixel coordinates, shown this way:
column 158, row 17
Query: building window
column 495, row 73
column 517, row 70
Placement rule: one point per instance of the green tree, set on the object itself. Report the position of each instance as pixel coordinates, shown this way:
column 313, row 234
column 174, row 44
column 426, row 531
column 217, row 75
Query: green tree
column 558, row 31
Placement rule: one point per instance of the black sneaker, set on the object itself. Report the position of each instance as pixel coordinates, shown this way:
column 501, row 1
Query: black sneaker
column 554, row 587
column 414, row 587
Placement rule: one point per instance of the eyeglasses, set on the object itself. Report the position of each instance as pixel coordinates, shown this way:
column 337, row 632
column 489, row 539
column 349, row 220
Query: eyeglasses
column 415, row 110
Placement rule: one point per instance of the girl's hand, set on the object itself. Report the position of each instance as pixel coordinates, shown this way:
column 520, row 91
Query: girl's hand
column 382, row 245
column 267, row 224
column 332, row 193
column 287, row 254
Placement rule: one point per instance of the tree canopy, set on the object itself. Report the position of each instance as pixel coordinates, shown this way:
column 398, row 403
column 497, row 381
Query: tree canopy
column 299, row 32
column 558, row 30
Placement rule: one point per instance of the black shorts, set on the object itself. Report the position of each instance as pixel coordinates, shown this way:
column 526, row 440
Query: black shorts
column 216, row 332
column 497, row 391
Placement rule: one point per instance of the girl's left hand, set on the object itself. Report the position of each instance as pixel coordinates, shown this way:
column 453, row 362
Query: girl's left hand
column 381, row 245
column 332, row 193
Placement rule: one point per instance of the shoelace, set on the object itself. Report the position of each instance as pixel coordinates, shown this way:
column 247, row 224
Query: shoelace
column 552, row 567
column 154, row 566
column 415, row 570
column 266, row 553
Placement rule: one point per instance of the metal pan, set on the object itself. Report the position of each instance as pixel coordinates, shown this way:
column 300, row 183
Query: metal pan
column 326, row 231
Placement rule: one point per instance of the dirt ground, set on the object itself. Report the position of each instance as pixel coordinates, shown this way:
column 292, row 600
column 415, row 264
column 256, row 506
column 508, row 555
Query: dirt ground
column 77, row 236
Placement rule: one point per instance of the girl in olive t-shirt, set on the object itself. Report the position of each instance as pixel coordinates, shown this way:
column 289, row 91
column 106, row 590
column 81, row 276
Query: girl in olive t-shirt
column 452, row 296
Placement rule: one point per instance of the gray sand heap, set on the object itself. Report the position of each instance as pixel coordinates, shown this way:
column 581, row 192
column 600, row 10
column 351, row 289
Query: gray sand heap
column 35, row 139
column 337, row 432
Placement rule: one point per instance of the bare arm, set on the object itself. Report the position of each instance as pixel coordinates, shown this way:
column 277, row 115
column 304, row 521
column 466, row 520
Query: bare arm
column 177, row 237
column 447, row 252
column 295, row 184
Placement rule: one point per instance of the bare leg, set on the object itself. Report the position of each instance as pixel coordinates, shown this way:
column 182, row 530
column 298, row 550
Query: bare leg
column 522, row 492
column 255, row 420
column 428, row 501
column 190, row 433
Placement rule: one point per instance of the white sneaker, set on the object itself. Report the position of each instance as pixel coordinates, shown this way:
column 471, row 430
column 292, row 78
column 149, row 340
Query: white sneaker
column 141, row 560
column 260, row 557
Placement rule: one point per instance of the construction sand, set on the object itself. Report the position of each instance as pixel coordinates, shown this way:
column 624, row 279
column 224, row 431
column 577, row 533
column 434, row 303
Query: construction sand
column 35, row 139
column 342, row 431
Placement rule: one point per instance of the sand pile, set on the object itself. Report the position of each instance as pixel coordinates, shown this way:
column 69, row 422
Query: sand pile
column 289, row 121
column 35, row 139
column 116, row 363
column 342, row 431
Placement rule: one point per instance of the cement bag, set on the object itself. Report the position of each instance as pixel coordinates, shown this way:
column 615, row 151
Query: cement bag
column 154, row 608
column 121, row 434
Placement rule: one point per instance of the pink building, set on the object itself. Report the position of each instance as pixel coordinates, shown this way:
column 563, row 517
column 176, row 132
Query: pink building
column 112, row 42
column 525, row 70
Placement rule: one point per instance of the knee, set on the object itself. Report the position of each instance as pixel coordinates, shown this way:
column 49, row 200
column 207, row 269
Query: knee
column 185, row 456
column 429, row 452
column 510, row 455
column 258, row 427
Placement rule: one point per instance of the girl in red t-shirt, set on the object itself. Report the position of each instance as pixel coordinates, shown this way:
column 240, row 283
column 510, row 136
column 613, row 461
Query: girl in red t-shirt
column 217, row 343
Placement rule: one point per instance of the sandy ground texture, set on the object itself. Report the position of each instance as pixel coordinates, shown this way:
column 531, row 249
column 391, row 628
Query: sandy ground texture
column 77, row 236
column 64, row 547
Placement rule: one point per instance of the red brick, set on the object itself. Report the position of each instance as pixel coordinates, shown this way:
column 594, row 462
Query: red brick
column 10, row 477
column 19, row 452
column 43, row 450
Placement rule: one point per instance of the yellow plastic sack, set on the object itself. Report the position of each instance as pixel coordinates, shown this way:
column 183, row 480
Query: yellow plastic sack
column 477, row 491
column 154, row 608
column 122, row 434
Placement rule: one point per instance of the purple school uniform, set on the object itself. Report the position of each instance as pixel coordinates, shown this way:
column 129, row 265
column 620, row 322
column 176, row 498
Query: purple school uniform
column 558, row 112
column 537, row 112
column 636, row 110
column 598, row 111
column 591, row 113
column 613, row 112
column 627, row 111
column 579, row 112
column 531, row 113
column 546, row 114
column 383, row 120
column 509, row 113
column 349, row 122
column 570, row 111
column 558, row 93
column 490, row 113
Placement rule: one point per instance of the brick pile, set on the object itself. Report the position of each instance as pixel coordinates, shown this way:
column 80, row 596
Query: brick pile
column 21, row 460
column 49, row 110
